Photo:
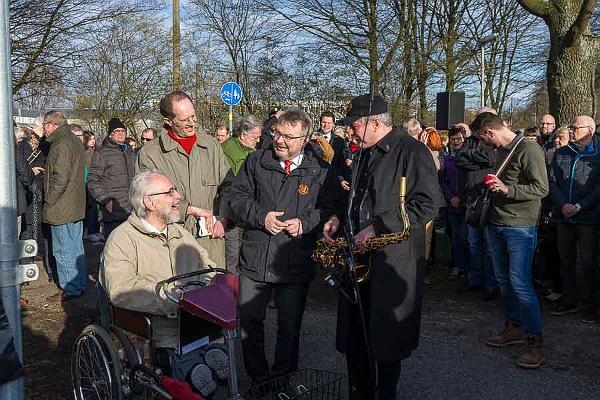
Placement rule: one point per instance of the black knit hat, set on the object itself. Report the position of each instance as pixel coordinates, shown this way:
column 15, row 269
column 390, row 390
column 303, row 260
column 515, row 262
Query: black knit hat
column 115, row 123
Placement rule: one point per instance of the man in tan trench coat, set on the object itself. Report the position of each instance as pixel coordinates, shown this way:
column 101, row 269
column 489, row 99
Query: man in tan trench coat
column 197, row 166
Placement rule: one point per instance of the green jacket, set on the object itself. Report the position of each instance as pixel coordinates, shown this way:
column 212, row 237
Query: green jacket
column 197, row 177
column 526, row 177
column 64, row 183
column 236, row 153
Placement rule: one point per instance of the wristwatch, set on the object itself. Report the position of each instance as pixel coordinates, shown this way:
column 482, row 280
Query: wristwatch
column 577, row 207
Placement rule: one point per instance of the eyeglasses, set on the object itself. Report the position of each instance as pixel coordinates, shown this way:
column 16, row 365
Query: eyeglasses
column 573, row 128
column 191, row 118
column 547, row 123
column 286, row 138
column 170, row 192
column 145, row 139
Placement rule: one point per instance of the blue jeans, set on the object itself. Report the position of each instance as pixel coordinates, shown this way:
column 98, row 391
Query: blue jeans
column 512, row 249
column 67, row 248
column 477, row 268
column 459, row 243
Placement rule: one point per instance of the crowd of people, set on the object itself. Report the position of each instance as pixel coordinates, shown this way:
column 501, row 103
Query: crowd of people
column 521, row 210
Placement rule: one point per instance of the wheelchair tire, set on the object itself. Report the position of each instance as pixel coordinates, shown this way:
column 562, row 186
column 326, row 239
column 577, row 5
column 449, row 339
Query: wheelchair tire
column 95, row 366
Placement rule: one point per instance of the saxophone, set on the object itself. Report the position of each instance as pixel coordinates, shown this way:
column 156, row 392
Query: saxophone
column 331, row 255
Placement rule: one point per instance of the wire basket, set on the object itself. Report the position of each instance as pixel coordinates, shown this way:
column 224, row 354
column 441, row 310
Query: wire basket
column 305, row 384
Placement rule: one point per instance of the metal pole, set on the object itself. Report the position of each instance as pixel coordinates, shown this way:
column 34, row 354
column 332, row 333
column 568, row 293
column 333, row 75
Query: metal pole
column 230, row 120
column 8, row 204
column 482, row 75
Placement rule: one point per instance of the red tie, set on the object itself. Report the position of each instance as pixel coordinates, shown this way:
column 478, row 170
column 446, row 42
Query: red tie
column 286, row 166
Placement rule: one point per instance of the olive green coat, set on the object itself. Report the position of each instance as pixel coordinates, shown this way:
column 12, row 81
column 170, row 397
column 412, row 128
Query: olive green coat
column 64, row 183
column 197, row 178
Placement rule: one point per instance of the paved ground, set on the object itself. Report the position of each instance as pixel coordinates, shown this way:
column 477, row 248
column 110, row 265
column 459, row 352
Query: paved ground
column 451, row 362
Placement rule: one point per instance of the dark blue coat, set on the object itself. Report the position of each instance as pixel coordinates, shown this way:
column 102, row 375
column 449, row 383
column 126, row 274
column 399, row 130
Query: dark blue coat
column 574, row 177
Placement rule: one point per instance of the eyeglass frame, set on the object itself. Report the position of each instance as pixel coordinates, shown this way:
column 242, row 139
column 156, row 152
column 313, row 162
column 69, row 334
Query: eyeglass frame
column 573, row 128
column 170, row 192
column 287, row 137
column 143, row 139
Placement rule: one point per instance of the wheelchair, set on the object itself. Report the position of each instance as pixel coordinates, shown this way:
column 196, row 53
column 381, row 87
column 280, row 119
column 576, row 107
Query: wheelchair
column 116, row 359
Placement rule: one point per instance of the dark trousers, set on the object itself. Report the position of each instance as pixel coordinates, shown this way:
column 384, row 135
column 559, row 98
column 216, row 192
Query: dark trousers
column 91, row 222
column 571, row 238
column 290, row 299
column 233, row 243
column 109, row 227
column 365, row 381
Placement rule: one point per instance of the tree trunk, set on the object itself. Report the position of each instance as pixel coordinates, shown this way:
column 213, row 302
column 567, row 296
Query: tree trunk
column 570, row 73
column 574, row 51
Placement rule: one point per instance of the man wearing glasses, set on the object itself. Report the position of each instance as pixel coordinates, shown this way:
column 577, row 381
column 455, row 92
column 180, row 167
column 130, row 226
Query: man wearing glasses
column 147, row 248
column 575, row 193
column 280, row 196
column 148, row 134
column 195, row 163
column 547, row 126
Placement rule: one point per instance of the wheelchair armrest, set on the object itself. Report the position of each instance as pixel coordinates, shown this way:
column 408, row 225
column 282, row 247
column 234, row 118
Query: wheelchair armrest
column 135, row 322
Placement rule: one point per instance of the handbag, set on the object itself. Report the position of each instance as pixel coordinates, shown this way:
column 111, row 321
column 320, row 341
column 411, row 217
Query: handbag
column 477, row 211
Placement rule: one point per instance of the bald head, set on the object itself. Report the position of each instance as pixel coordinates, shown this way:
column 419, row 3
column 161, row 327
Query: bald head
column 547, row 125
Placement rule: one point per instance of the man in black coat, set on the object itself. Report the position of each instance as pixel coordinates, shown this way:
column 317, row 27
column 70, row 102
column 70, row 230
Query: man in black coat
column 392, row 294
column 280, row 197
column 110, row 175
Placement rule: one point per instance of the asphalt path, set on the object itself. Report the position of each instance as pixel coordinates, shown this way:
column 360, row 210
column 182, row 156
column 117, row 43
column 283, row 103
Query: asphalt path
column 451, row 361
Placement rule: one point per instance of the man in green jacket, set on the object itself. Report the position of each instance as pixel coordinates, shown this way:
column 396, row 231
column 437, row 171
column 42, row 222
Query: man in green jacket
column 64, row 204
column 247, row 133
column 516, row 195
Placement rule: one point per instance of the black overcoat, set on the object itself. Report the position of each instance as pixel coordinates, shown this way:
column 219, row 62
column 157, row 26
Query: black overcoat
column 262, row 186
column 394, row 290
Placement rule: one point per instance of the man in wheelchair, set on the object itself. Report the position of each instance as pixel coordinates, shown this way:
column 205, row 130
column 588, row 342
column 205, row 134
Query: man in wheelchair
column 148, row 248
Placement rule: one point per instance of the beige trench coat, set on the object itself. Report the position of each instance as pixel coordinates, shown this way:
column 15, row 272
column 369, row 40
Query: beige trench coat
column 136, row 259
column 197, row 178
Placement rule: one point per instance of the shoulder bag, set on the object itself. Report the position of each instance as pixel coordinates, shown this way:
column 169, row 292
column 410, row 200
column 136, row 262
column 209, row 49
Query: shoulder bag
column 477, row 211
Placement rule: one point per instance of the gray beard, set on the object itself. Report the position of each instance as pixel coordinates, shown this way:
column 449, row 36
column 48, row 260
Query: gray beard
column 167, row 217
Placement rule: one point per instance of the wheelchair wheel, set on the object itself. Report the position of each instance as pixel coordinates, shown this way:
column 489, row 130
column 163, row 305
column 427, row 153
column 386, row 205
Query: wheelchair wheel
column 95, row 366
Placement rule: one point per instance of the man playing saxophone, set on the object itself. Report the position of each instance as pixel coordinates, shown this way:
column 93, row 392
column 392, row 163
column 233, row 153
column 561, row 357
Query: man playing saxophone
column 391, row 296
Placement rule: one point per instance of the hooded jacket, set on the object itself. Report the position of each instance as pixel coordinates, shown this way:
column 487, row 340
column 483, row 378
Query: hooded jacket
column 109, row 177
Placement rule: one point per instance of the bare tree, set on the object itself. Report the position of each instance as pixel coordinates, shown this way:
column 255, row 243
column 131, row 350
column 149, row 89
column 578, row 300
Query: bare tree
column 241, row 28
column 123, row 73
column 366, row 32
column 47, row 35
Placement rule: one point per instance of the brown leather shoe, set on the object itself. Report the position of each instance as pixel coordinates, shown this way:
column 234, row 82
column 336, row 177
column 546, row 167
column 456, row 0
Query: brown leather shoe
column 534, row 354
column 511, row 335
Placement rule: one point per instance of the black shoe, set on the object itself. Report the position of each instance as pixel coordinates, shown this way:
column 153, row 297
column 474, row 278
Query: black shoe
column 563, row 308
column 491, row 294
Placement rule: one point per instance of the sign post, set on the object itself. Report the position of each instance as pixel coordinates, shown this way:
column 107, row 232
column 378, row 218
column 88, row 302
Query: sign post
column 231, row 94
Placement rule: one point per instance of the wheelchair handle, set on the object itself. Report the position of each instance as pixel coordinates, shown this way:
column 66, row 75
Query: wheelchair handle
column 161, row 284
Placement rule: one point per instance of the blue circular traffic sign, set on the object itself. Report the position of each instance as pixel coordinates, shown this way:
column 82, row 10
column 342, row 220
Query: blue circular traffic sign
column 231, row 93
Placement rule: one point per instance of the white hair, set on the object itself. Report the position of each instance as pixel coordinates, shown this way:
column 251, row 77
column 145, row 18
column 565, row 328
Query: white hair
column 137, row 191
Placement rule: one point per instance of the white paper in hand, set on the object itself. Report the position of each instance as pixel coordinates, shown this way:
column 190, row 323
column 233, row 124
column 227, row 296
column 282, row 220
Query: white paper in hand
column 202, row 231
